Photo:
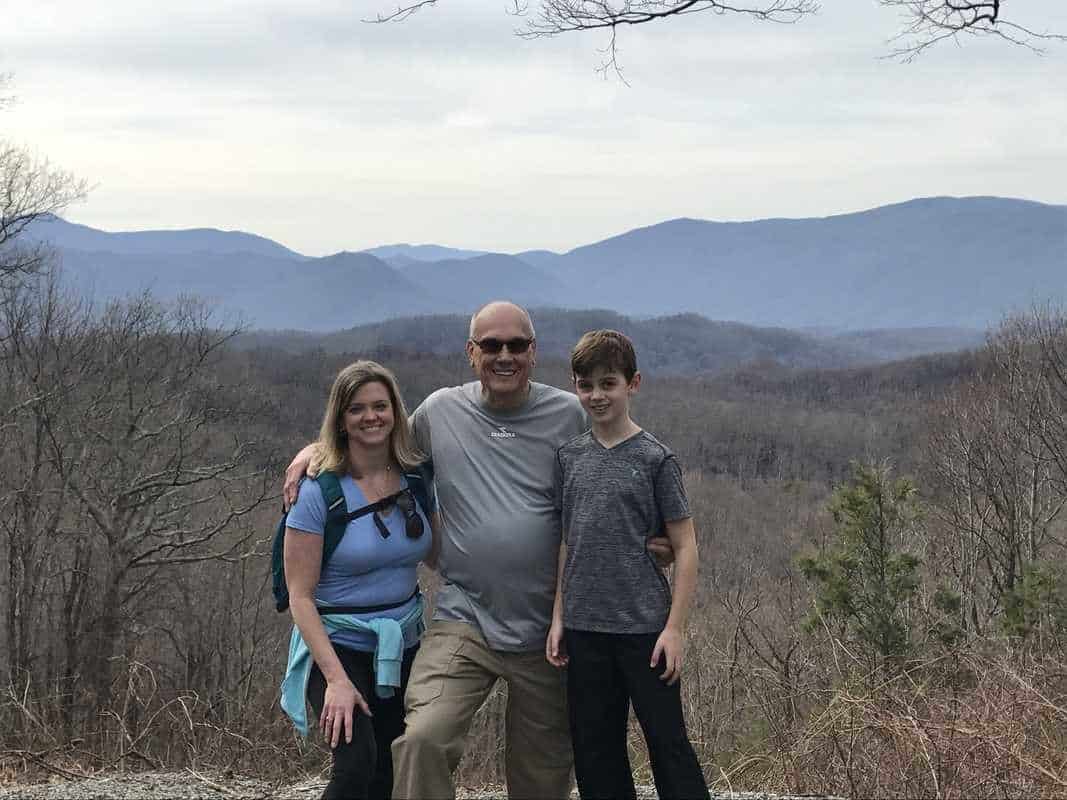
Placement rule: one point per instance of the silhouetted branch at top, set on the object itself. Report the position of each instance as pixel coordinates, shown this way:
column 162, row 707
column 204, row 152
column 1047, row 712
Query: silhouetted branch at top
column 554, row 17
column 563, row 16
column 927, row 22
column 924, row 22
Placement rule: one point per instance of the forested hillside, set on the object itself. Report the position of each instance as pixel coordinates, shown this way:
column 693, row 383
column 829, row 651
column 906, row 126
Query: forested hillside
column 682, row 343
column 881, row 607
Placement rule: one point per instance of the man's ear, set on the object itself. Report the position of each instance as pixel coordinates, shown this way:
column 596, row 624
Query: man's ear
column 470, row 353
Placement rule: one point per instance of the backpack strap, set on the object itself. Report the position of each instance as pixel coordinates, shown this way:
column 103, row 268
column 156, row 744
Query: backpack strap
column 336, row 513
column 420, row 481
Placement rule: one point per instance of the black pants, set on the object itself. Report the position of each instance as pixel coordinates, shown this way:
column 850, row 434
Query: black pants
column 364, row 767
column 607, row 672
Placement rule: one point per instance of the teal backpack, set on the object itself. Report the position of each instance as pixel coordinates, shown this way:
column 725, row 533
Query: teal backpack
column 337, row 518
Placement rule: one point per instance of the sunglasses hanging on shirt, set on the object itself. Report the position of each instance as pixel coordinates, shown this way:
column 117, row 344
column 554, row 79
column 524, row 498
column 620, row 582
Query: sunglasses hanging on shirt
column 413, row 527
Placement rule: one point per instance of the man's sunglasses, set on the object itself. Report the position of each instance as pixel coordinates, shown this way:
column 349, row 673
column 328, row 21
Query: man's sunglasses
column 493, row 346
column 412, row 521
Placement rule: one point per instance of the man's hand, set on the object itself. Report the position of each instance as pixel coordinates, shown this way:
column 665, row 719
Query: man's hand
column 671, row 646
column 295, row 473
column 659, row 546
column 555, row 649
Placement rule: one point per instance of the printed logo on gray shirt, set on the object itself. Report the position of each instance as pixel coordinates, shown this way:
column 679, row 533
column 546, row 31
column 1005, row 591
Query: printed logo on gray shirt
column 502, row 433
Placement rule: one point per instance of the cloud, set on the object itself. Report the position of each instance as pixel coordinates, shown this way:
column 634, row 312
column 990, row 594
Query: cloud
column 300, row 122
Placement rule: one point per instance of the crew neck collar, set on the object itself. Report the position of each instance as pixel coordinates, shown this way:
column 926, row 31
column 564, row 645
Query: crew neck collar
column 480, row 401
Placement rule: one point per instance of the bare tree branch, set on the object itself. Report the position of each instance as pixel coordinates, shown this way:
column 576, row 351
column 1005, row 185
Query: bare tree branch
column 924, row 23
column 402, row 12
column 565, row 16
column 928, row 22
column 562, row 16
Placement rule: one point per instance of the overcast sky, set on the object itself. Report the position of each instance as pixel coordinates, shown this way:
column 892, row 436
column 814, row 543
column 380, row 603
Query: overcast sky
column 297, row 121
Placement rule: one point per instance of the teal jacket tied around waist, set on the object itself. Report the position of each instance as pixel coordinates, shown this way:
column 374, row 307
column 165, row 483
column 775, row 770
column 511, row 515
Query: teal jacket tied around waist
column 388, row 654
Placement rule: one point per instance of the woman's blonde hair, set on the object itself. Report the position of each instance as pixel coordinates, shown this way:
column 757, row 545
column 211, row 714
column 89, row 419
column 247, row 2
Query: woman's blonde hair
column 332, row 452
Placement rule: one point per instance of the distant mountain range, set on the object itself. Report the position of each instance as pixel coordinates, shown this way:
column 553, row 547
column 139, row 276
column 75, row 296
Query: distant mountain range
column 928, row 263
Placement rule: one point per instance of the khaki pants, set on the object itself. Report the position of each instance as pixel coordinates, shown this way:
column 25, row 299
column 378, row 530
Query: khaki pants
column 453, row 673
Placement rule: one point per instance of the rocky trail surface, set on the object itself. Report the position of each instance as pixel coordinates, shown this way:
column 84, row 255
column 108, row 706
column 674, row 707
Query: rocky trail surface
column 190, row 785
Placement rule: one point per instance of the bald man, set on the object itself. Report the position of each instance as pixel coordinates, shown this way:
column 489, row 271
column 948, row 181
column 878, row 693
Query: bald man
column 492, row 443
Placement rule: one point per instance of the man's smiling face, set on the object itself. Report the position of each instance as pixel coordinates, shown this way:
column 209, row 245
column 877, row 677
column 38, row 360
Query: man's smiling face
column 505, row 375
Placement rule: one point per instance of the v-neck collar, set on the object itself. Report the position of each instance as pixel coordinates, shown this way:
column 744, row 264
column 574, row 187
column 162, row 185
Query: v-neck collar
column 617, row 444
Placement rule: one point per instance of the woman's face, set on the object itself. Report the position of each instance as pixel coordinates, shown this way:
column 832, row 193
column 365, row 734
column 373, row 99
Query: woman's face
column 369, row 420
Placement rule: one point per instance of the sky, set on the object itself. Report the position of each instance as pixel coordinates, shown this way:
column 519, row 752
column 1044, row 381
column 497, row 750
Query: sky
column 301, row 122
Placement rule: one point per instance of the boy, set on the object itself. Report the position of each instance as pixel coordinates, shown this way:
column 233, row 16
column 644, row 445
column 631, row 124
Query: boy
column 616, row 623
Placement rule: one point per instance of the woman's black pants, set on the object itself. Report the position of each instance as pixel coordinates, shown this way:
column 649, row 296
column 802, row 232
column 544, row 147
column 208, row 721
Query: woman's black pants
column 608, row 671
column 363, row 768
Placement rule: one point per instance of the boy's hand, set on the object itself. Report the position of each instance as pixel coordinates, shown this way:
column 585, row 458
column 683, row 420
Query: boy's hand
column 295, row 473
column 660, row 548
column 555, row 649
column 671, row 646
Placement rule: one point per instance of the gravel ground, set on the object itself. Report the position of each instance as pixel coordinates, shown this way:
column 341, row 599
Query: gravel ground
column 188, row 785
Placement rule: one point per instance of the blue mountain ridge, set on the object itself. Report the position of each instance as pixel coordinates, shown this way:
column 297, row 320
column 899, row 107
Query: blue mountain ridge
column 928, row 262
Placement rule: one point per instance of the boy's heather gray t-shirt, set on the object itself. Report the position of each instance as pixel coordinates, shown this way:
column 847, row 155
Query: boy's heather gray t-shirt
column 612, row 502
column 493, row 475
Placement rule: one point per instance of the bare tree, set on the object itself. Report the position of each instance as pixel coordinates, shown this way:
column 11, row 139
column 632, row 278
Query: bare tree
column 30, row 188
column 144, row 452
column 996, row 459
column 36, row 376
column 123, row 466
column 927, row 22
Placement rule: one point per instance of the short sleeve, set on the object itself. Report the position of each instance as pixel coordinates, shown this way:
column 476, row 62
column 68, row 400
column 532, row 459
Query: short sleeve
column 420, row 428
column 308, row 513
column 671, row 499
column 557, row 481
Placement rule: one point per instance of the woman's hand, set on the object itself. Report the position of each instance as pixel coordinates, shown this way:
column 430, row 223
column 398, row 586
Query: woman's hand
column 555, row 649
column 338, row 710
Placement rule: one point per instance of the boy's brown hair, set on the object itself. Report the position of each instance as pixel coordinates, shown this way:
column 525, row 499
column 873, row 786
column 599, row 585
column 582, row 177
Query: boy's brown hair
column 604, row 348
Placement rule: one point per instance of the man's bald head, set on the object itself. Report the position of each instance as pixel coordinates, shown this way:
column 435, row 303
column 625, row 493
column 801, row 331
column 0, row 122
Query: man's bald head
column 501, row 308
column 502, row 351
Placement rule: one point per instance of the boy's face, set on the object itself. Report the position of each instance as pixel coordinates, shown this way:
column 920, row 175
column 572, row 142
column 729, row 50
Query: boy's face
column 605, row 395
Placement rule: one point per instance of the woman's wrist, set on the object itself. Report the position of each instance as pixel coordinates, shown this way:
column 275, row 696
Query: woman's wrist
column 336, row 678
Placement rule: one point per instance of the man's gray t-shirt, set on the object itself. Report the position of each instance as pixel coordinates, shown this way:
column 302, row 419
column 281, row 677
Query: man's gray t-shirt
column 493, row 473
column 612, row 502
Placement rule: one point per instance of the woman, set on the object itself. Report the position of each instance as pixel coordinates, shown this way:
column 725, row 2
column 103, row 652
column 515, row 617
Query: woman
column 369, row 582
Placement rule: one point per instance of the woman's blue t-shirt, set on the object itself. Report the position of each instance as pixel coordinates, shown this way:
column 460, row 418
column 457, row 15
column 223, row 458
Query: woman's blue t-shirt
column 365, row 569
